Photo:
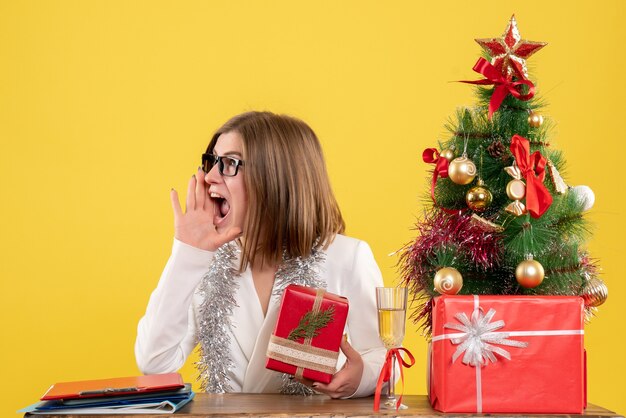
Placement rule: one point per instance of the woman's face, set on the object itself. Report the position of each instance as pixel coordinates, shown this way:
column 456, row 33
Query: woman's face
column 228, row 193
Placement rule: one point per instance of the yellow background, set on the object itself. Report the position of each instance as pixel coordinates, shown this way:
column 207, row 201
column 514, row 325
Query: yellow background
column 106, row 105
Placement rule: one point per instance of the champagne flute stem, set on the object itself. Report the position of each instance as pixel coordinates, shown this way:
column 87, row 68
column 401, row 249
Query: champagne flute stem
column 392, row 382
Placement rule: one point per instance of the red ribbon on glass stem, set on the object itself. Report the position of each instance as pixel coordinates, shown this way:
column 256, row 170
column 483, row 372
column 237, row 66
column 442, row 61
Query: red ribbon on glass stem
column 533, row 168
column 503, row 85
column 385, row 374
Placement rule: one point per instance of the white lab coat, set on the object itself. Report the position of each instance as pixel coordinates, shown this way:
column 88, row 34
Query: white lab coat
column 166, row 334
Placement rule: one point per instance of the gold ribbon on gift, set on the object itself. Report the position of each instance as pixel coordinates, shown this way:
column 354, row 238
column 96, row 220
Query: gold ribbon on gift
column 304, row 356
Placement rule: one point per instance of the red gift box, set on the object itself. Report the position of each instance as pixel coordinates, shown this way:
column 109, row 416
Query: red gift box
column 508, row 354
column 299, row 349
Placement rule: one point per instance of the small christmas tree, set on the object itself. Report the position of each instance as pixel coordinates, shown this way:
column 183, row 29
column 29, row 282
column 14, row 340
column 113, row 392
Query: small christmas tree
column 503, row 220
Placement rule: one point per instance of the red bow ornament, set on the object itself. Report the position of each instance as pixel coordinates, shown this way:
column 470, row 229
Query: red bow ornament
column 533, row 169
column 503, row 85
column 430, row 156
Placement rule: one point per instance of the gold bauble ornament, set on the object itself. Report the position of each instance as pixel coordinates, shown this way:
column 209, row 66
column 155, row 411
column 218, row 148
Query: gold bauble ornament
column 529, row 273
column 516, row 189
column 448, row 281
column 462, row 170
column 478, row 198
column 535, row 120
column 595, row 292
column 448, row 154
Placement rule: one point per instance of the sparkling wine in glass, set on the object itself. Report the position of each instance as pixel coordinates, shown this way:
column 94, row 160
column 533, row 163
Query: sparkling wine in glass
column 391, row 303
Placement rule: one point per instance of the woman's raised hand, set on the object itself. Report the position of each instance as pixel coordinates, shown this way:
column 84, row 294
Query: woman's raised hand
column 195, row 226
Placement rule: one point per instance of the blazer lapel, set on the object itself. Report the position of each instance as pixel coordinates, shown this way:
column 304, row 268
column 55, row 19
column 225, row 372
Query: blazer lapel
column 258, row 378
column 247, row 317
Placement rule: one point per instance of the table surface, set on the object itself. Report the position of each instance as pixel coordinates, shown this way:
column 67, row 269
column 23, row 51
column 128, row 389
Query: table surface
column 273, row 405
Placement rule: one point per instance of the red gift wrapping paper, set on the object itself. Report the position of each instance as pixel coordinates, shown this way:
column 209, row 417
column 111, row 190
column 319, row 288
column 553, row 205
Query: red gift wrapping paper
column 546, row 376
column 296, row 302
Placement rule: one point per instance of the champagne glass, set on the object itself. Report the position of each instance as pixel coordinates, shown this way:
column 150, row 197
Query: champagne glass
column 391, row 304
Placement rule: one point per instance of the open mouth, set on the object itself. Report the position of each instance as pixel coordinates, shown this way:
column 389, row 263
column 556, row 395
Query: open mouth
column 222, row 207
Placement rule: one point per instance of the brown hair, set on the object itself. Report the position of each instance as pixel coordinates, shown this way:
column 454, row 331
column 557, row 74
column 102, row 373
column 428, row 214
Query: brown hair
column 292, row 207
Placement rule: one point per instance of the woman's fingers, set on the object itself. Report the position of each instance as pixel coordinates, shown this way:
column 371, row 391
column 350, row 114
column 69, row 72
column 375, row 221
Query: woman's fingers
column 346, row 381
column 190, row 202
column 349, row 351
column 200, row 189
column 195, row 225
column 178, row 211
column 209, row 204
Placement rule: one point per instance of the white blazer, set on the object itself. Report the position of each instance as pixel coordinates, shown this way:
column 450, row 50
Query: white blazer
column 166, row 334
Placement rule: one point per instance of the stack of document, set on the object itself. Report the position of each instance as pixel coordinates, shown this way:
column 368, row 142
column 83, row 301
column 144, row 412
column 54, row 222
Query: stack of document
column 157, row 393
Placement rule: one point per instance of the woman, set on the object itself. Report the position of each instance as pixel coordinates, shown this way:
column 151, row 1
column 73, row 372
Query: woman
column 260, row 214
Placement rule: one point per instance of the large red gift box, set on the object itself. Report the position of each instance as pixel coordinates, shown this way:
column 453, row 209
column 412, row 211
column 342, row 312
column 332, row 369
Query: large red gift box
column 311, row 355
column 508, row 354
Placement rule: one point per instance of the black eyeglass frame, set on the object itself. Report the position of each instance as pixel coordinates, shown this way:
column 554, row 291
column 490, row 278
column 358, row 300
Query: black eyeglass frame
column 209, row 160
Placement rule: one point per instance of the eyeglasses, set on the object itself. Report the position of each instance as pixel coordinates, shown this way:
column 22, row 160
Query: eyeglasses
column 227, row 166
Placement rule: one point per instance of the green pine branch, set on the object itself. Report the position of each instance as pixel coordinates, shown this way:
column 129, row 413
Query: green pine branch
column 310, row 324
column 556, row 239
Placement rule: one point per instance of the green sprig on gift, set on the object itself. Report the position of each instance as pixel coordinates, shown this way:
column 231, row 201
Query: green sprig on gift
column 310, row 324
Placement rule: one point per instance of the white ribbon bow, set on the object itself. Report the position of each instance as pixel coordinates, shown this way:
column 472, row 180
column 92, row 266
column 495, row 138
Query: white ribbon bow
column 477, row 338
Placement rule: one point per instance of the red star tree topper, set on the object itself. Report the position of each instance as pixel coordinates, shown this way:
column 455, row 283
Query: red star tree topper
column 509, row 53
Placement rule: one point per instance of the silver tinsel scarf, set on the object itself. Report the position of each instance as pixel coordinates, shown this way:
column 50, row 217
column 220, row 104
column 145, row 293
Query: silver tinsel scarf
column 217, row 289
